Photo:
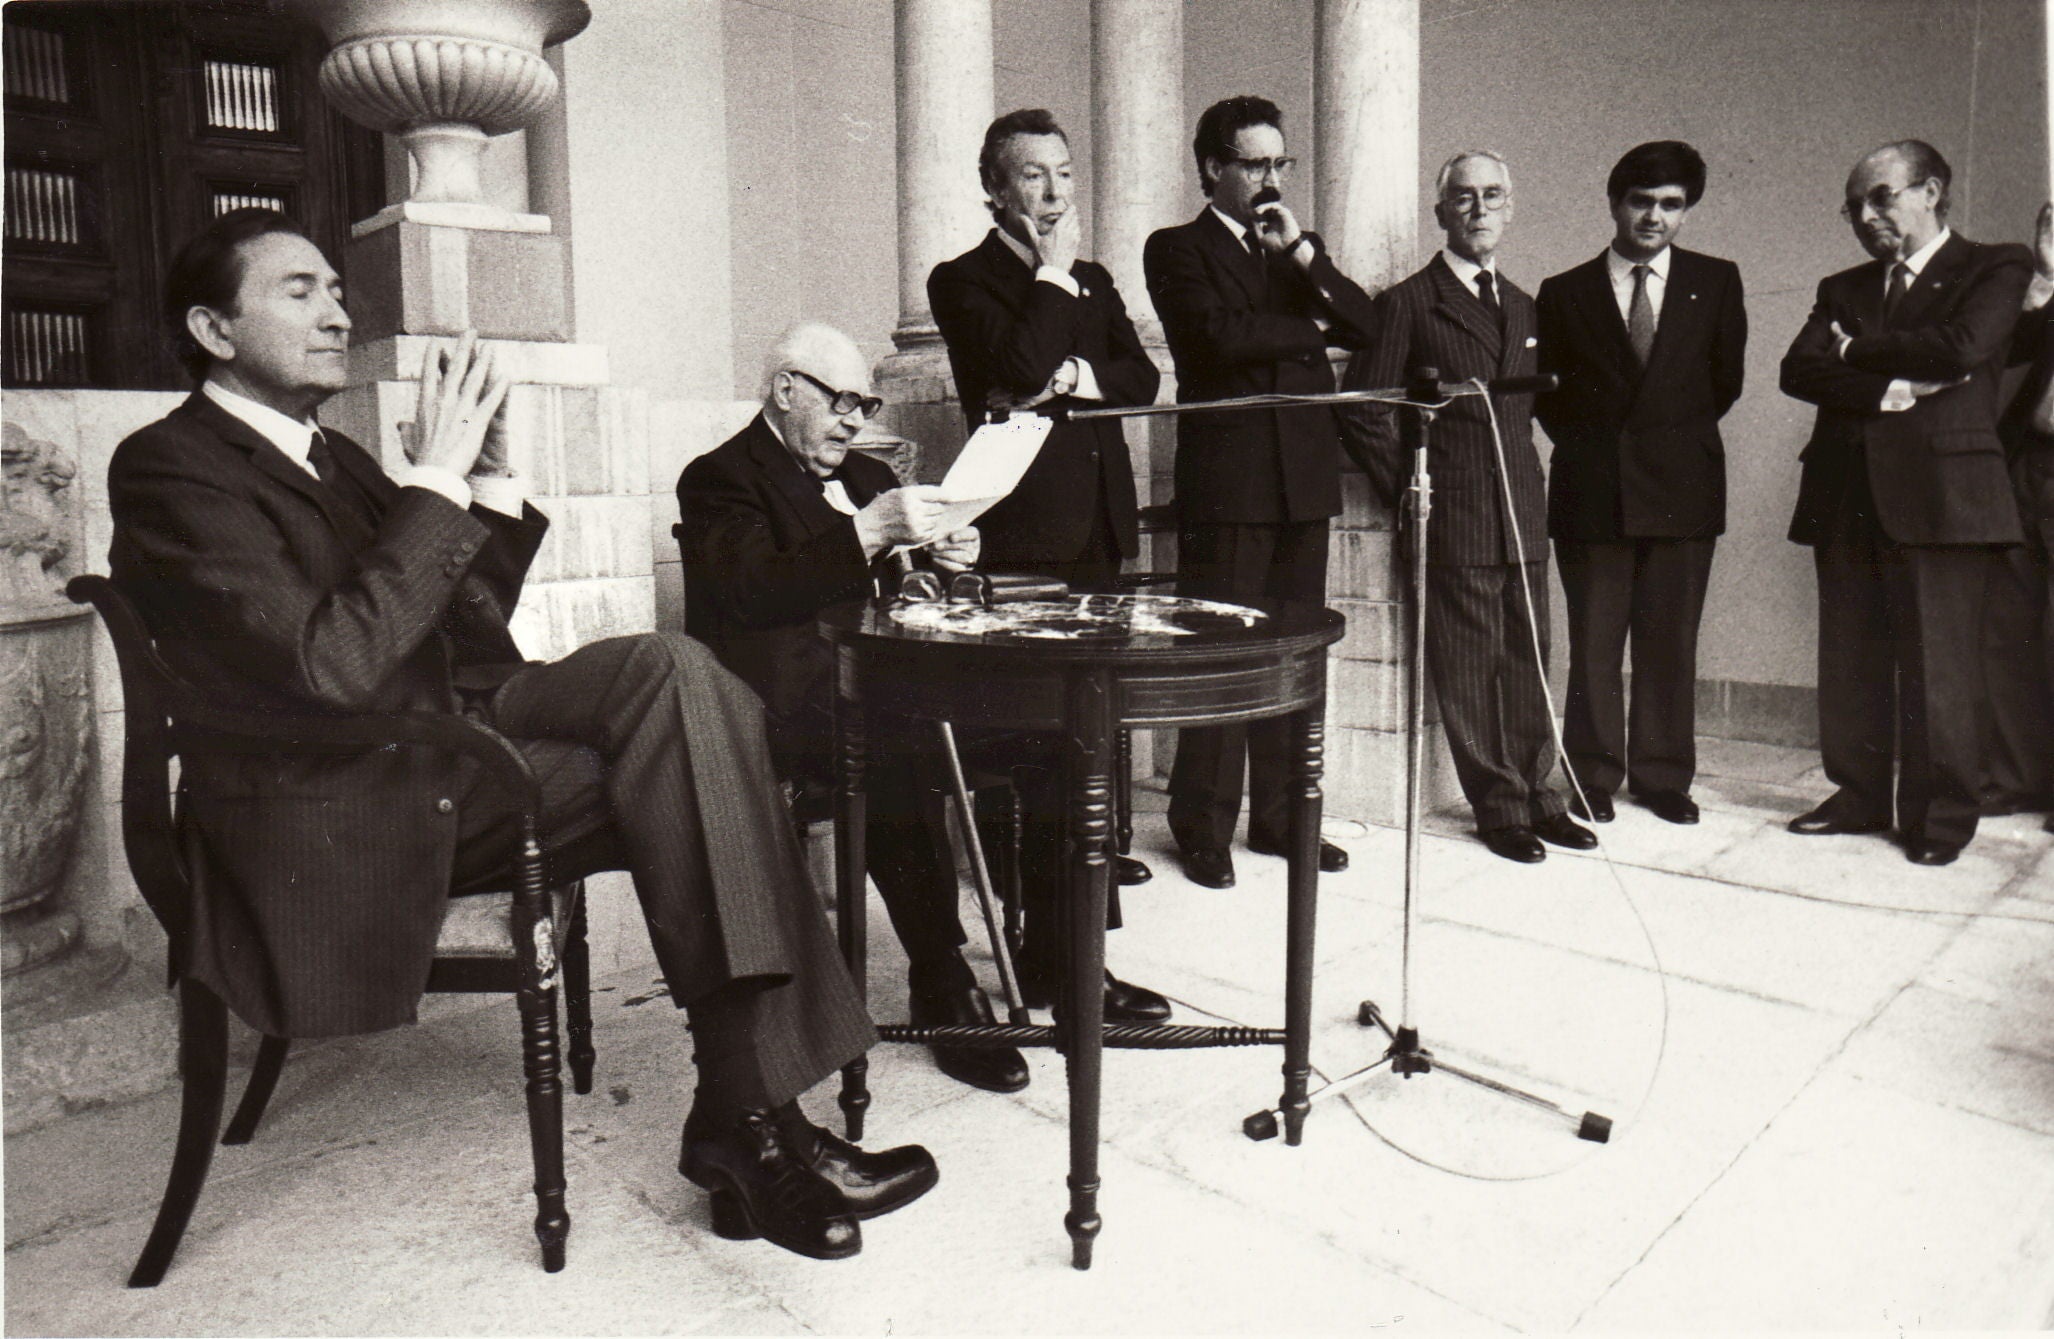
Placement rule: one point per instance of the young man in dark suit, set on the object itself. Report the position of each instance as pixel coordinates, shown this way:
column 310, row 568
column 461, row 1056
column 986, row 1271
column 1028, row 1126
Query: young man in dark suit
column 1250, row 303
column 1648, row 342
column 1487, row 562
column 278, row 564
column 782, row 521
column 1028, row 327
column 1905, row 501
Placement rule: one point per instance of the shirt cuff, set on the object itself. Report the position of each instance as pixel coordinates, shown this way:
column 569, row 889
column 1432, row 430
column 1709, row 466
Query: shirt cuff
column 2039, row 292
column 1898, row 398
column 436, row 479
column 503, row 493
column 1087, row 381
column 1049, row 274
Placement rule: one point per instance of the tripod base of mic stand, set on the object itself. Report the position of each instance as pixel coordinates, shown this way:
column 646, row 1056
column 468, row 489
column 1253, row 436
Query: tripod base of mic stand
column 1407, row 1057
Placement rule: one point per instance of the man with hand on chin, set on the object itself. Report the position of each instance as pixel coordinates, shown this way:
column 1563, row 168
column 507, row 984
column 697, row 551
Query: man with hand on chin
column 1905, row 501
column 1029, row 326
column 1250, row 303
column 278, row 566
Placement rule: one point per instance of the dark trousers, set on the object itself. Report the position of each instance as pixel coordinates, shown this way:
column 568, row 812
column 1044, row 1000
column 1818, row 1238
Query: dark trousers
column 2018, row 647
column 1480, row 656
column 1647, row 594
column 1900, row 682
column 652, row 758
column 1224, row 561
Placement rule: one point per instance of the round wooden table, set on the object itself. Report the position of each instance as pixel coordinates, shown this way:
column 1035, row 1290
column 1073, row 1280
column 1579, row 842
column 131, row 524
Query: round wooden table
column 1086, row 691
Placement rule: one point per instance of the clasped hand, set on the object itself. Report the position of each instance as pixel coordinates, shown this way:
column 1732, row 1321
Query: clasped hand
column 460, row 419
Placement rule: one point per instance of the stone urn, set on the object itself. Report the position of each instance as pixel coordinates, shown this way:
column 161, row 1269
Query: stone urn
column 46, row 713
column 443, row 75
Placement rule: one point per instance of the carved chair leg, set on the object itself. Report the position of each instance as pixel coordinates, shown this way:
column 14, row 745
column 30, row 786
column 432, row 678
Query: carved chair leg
column 577, row 998
column 242, row 1127
column 545, row 1122
column 203, row 1064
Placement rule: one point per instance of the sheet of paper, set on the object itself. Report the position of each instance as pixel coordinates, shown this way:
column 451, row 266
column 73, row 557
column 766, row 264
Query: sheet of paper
column 990, row 466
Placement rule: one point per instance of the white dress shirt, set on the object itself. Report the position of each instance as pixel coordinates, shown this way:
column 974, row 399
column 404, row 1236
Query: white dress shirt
column 1621, row 270
column 1466, row 271
column 294, row 439
column 1083, row 381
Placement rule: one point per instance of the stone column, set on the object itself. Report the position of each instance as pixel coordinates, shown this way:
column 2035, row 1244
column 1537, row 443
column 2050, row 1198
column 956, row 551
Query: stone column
column 1140, row 162
column 1366, row 117
column 943, row 57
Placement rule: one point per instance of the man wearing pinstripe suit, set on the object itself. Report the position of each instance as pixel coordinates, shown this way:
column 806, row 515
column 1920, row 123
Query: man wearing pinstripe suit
column 278, row 564
column 1487, row 612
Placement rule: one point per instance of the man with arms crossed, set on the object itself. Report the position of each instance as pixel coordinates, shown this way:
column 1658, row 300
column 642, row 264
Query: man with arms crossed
column 1905, row 501
column 1648, row 343
column 278, row 565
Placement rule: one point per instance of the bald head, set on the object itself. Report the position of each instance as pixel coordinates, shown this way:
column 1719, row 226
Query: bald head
column 810, row 370
column 1897, row 198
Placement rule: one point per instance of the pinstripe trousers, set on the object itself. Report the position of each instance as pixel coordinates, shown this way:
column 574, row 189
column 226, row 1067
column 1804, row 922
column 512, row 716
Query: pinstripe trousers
column 1480, row 656
column 652, row 759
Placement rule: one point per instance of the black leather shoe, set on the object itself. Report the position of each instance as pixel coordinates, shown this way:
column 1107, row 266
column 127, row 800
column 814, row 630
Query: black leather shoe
column 1598, row 811
column 1125, row 1002
column 1127, row 871
column 1208, row 866
column 1332, row 859
column 1826, row 821
column 1671, row 806
column 761, row 1188
column 996, row 1069
column 1515, row 841
column 1562, row 830
column 873, row 1183
column 1923, row 852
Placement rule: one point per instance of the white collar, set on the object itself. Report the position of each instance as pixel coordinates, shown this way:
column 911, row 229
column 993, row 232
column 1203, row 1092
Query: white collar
column 1622, row 268
column 295, row 437
column 1917, row 261
column 1234, row 226
column 1019, row 248
column 1466, row 270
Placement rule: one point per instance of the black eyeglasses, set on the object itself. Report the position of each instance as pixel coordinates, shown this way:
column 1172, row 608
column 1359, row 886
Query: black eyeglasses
column 1260, row 167
column 843, row 402
column 1879, row 198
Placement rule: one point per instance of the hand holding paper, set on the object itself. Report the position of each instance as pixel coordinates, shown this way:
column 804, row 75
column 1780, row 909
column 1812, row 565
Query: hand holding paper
column 991, row 465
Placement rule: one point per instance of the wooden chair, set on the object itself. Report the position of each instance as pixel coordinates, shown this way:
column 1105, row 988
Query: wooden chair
column 510, row 941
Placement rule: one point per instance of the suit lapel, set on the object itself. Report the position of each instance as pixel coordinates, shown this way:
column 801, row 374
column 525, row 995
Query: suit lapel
column 1519, row 328
column 1592, row 293
column 800, row 491
column 273, row 463
column 1455, row 300
column 1232, row 254
column 1936, row 279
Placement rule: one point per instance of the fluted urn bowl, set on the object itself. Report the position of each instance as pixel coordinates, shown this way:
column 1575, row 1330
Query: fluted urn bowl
column 442, row 74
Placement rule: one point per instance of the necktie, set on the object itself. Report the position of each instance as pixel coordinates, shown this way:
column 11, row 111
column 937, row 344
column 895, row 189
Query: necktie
column 321, row 458
column 1900, row 281
column 1640, row 317
column 1487, row 289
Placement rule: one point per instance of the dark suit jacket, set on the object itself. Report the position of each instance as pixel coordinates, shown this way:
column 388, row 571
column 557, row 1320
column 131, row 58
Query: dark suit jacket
column 1238, row 326
column 328, row 876
column 763, row 554
column 1433, row 320
column 1007, row 332
column 1637, row 451
column 1936, row 471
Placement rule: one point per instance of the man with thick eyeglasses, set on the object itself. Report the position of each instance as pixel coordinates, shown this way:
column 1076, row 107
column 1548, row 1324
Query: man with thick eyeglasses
column 1250, row 303
column 1648, row 344
column 1487, row 562
column 1030, row 327
column 1905, row 501
column 782, row 521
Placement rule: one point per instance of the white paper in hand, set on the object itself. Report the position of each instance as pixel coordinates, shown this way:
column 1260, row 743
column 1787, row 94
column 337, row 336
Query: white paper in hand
column 991, row 465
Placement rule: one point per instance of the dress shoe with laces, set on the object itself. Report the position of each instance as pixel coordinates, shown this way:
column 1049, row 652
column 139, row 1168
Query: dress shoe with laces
column 874, row 1184
column 1125, row 1002
column 1129, row 872
column 1830, row 819
column 1208, row 866
column 762, row 1188
column 1923, row 852
column 1598, row 810
column 1562, row 830
column 1671, row 806
column 1514, row 841
column 996, row 1069
column 1332, row 859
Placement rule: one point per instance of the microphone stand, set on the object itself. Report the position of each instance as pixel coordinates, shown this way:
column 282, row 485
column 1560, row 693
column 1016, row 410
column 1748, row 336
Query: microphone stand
column 1425, row 396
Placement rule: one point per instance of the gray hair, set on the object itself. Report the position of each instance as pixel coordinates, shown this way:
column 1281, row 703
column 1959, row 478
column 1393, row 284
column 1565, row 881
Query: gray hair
column 805, row 345
column 1448, row 168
